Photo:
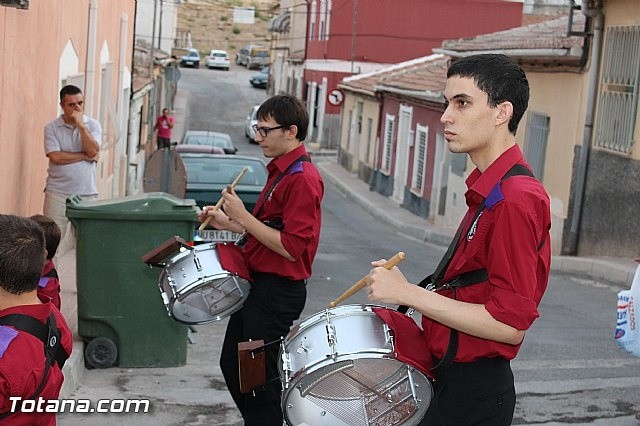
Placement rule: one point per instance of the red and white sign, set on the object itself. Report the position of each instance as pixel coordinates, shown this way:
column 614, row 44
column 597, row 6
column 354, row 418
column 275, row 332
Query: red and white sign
column 335, row 97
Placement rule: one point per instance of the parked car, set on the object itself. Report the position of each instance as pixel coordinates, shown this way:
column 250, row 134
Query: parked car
column 217, row 59
column 260, row 79
column 205, row 137
column 252, row 119
column 209, row 174
column 252, row 56
column 199, row 149
column 191, row 59
column 258, row 58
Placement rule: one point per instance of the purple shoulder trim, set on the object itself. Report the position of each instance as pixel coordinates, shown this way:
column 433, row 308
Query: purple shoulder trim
column 296, row 168
column 494, row 197
column 7, row 334
column 43, row 282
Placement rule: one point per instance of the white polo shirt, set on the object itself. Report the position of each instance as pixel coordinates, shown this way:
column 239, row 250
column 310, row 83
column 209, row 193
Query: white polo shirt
column 74, row 178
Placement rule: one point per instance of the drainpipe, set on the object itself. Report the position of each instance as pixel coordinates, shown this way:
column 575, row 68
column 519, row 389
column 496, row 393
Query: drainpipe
column 119, row 164
column 591, row 9
column 90, row 66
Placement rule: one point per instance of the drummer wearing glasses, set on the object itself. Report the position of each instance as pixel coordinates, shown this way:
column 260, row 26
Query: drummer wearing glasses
column 486, row 292
column 282, row 235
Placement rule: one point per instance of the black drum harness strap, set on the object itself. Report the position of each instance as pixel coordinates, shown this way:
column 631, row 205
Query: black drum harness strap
column 277, row 222
column 48, row 334
column 434, row 281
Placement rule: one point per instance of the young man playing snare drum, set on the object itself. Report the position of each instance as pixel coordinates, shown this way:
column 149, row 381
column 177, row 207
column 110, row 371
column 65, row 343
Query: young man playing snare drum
column 282, row 239
column 502, row 255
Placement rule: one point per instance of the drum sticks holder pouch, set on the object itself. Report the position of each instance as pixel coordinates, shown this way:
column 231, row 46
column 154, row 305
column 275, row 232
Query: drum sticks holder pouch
column 627, row 333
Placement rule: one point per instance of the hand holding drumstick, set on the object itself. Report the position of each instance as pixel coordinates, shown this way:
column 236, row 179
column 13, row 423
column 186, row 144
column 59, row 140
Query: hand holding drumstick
column 397, row 258
column 221, row 200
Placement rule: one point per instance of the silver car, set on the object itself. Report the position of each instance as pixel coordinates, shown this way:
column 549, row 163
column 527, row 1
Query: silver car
column 205, row 137
column 252, row 119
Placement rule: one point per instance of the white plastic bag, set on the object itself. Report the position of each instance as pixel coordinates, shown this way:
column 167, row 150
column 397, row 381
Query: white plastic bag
column 628, row 323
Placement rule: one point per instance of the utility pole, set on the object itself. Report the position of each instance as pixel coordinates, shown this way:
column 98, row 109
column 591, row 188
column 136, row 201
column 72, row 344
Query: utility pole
column 150, row 108
column 160, row 27
column 153, row 35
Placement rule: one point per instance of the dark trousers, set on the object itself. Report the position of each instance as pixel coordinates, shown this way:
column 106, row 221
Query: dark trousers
column 272, row 306
column 474, row 393
column 163, row 142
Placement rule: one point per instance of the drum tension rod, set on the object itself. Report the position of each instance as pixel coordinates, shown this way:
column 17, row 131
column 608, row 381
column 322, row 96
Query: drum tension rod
column 157, row 265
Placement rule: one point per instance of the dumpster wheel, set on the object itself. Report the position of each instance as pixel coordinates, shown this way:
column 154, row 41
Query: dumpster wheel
column 101, row 352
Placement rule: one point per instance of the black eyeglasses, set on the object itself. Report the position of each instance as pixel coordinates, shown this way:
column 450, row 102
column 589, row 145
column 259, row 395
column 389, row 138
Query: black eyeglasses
column 264, row 131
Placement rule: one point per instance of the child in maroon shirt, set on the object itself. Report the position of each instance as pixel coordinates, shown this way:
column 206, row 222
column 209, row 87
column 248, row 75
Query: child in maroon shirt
column 49, row 285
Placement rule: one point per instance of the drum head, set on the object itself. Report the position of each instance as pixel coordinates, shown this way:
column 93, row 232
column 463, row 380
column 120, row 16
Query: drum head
column 196, row 289
column 211, row 301
column 340, row 368
column 359, row 392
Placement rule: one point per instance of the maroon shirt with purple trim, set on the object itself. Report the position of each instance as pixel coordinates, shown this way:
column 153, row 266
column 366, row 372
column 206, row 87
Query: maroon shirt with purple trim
column 49, row 286
column 296, row 199
column 511, row 241
column 22, row 365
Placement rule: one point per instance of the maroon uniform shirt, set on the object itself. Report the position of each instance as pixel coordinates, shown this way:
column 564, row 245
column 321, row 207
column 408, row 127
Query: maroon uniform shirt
column 22, row 365
column 49, row 285
column 296, row 199
column 511, row 240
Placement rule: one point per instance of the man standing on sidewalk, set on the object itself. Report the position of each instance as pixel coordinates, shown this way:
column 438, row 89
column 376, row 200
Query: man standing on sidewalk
column 487, row 288
column 72, row 143
column 282, row 239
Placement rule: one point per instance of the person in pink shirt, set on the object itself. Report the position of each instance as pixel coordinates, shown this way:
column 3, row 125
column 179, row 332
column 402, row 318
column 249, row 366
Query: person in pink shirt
column 164, row 124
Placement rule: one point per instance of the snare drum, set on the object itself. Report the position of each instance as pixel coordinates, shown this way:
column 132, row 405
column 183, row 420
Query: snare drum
column 196, row 289
column 339, row 367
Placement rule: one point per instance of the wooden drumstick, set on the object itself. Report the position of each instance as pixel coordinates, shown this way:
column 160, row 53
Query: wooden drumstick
column 221, row 200
column 397, row 258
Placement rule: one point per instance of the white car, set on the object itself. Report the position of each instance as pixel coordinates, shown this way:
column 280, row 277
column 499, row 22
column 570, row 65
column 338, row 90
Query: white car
column 252, row 119
column 217, row 59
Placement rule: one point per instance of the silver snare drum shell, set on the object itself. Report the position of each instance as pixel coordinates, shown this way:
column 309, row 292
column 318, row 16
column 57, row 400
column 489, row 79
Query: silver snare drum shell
column 338, row 368
column 196, row 289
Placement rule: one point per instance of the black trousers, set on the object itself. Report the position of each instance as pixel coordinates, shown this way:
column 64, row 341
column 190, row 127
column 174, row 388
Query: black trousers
column 164, row 142
column 474, row 393
column 272, row 306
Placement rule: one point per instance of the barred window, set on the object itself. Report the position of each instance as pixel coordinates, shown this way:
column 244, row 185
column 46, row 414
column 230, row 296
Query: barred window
column 387, row 145
column 618, row 100
column 535, row 142
column 419, row 160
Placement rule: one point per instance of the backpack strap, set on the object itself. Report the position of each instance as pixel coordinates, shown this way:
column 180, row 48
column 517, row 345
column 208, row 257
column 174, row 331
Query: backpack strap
column 44, row 333
column 48, row 334
column 52, row 274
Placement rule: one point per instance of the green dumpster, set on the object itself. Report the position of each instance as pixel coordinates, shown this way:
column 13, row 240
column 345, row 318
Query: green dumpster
column 121, row 315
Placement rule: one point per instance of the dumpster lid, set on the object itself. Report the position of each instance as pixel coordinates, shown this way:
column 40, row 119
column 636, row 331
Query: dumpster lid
column 151, row 206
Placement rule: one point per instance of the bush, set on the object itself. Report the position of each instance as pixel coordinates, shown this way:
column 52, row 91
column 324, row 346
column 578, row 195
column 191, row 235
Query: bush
column 235, row 30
